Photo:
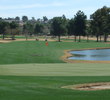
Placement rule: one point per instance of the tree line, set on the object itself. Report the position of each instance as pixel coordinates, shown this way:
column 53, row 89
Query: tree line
column 98, row 25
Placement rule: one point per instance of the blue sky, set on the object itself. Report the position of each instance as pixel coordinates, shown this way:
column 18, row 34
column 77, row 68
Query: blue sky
column 49, row 8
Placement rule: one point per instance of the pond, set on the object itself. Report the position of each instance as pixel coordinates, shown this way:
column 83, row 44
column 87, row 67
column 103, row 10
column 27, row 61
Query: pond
column 93, row 55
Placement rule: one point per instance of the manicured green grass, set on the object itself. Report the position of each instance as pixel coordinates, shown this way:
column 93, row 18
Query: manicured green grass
column 44, row 81
column 56, row 70
column 23, row 37
column 82, row 40
column 49, row 88
column 38, row 52
column 36, row 81
column 20, row 37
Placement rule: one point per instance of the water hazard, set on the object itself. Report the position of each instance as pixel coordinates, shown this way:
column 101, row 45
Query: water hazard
column 93, row 55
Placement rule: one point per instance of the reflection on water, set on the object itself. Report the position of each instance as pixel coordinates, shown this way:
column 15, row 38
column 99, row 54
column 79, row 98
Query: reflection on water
column 98, row 55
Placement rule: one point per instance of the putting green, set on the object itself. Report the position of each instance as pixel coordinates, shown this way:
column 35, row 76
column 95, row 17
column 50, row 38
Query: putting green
column 81, row 69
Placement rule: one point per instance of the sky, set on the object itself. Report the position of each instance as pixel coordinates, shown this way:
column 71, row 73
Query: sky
column 49, row 8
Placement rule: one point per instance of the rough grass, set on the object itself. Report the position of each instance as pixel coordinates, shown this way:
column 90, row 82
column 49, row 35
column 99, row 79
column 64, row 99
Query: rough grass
column 36, row 51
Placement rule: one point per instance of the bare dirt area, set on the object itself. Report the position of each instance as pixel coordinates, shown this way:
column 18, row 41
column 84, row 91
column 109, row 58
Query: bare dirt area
column 90, row 86
column 5, row 41
column 67, row 55
column 32, row 40
column 9, row 40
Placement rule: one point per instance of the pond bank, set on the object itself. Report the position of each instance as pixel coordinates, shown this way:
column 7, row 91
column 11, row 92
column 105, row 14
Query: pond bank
column 67, row 54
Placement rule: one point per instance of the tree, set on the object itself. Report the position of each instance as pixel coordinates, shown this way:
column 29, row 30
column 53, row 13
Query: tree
column 25, row 30
column 28, row 29
column 13, row 25
column 100, row 22
column 96, row 24
column 45, row 19
column 17, row 18
column 88, row 29
column 105, row 12
column 80, row 24
column 58, row 27
column 38, row 28
column 71, row 27
column 3, row 26
column 1, row 19
column 24, row 18
column 33, row 20
column 46, row 28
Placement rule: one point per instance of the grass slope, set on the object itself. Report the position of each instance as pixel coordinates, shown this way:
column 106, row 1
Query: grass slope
column 36, row 51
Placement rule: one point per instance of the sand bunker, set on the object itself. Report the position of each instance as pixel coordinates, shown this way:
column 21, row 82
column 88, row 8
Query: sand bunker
column 90, row 86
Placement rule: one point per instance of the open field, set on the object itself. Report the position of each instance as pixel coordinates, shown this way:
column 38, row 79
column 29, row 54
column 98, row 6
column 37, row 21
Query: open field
column 49, row 88
column 29, row 70
column 20, row 52
column 44, row 81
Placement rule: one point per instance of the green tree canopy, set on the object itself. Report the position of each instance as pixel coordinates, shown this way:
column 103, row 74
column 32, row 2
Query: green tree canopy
column 17, row 18
column 45, row 19
column 70, row 27
column 24, row 18
column 3, row 26
column 13, row 25
column 59, row 27
column 80, row 24
column 100, row 22
column 38, row 28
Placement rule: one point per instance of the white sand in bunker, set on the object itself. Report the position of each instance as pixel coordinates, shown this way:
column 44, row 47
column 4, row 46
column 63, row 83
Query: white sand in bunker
column 90, row 86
